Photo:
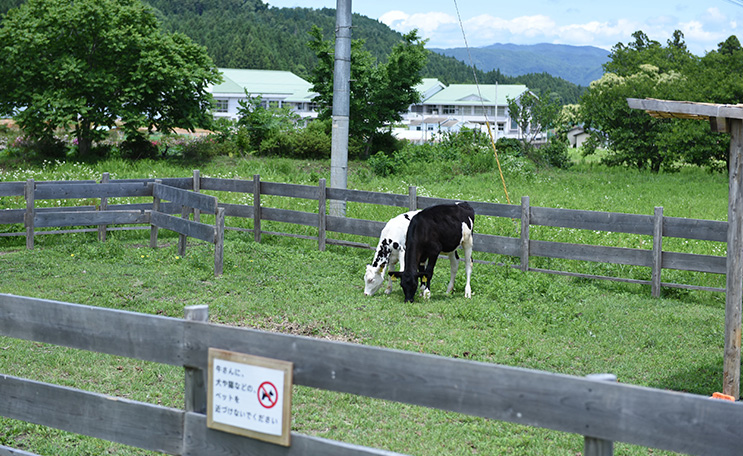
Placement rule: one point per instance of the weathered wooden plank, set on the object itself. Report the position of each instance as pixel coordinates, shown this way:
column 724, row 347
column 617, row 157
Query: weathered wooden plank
column 289, row 216
column 501, row 245
column 354, row 226
column 68, row 191
column 200, row 440
column 54, row 219
column 237, row 210
column 9, row 216
column 617, row 412
column 592, row 220
column 290, row 190
column 615, row 255
column 188, row 198
column 184, row 183
column 694, row 262
column 189, row 228
column 359, row 196
column 110, row 418
column 165, row 207
column 227, row 185
column 7, row 451
column 705, row 230
column 687, row 107
column 114, row 332
column 11, row 188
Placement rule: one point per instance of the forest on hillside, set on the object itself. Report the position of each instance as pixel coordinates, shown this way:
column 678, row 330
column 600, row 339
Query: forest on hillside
column 250, row 34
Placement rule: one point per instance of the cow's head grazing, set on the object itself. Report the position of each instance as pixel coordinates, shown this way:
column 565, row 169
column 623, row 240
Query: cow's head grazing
column 409, row 283
column 373, row 279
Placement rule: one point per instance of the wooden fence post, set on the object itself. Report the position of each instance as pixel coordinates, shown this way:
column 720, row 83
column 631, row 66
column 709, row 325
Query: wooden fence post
column 321, row 218
column 155, row 208
column 593, row 446
column 657, row 251
column 257, row 207
column 196, row 188
column 412, row 198
column 525, row 223
column 28, row 218
column 219, row 242
column 182, row 238
column 103, row 207
column 195, row 381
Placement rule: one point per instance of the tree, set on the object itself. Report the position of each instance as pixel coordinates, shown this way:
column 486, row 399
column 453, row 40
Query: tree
column 379, row 92
column 90, row 64
column 533, row 115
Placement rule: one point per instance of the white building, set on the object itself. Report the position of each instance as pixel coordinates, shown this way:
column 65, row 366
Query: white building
column 450, row 108
column 276, row 88
column 442, row 108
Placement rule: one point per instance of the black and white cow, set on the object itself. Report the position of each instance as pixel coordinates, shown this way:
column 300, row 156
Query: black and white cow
column 436, row 229
column 390, row 250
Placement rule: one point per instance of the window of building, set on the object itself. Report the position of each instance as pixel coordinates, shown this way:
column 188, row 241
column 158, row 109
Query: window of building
column 449, row 109
column 222, row 105
column 501, row 111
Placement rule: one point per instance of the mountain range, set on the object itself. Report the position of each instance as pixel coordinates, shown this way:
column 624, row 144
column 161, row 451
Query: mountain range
column 577, row 64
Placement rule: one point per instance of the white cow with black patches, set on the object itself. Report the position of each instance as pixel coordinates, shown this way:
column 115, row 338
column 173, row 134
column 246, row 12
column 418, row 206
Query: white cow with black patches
column 390, row 251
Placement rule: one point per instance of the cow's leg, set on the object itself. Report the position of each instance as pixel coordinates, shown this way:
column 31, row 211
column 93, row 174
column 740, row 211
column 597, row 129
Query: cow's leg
column 468, row 267
column 391, row 267
column 428, row 275
column 454, row 264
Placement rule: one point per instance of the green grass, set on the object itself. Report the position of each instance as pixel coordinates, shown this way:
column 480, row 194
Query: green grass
column 539, row 321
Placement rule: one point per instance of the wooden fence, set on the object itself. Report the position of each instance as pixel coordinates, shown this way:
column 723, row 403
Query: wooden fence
column 157, row 214
column 657, row 225
column 602, row 411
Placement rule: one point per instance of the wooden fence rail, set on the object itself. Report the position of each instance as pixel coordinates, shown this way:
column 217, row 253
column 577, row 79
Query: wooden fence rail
column 523, row 247
column 600, row 410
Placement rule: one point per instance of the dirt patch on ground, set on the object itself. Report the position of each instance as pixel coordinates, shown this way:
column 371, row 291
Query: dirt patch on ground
column 281, row 325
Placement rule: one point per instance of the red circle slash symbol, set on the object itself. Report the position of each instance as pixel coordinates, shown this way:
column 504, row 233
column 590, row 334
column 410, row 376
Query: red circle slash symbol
column 267, row 395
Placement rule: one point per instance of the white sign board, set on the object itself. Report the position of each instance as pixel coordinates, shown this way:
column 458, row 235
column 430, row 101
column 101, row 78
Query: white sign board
column 249, row 395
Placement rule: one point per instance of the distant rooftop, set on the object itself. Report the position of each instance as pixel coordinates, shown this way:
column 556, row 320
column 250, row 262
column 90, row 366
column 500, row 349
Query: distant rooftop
column 285, row 84
column 468, row 94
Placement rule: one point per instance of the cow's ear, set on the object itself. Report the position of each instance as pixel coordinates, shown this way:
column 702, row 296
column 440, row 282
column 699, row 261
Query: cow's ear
column 396, row 274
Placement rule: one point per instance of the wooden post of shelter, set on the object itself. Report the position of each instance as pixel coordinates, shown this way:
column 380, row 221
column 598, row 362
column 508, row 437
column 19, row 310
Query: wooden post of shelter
column 723, row 119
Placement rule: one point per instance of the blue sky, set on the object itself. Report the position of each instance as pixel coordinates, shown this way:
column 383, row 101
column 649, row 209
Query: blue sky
column 577, row 22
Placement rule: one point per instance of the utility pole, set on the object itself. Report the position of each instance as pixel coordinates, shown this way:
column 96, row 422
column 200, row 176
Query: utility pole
column 341, row 104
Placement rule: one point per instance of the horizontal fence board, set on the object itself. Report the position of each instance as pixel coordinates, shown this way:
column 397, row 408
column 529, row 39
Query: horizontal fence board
column 354, row 226
column 166, row 207
column 7, row 451
column 290, row 190
column 12, row 188
column 237, row 210
column 705, row 230
column 496, row 210
column 51, row 219
column 191, row 229
column 201, row 440
column 360, row 196
column 65, row 191
column 500, row 245
column 596, row 253
column 227, row 185
column 114, row 332
column 289, row 216
column 110, row 418
column 694, row 262
column 185, row 183
column 662, row 419
column 591, row 220
column 188, row 198
column 10, row 216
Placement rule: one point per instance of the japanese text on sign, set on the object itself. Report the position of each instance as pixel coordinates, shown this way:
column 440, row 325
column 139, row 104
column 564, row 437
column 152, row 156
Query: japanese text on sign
column 246, row 396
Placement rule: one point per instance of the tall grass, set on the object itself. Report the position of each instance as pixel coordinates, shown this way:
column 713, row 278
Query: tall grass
column 551, row 323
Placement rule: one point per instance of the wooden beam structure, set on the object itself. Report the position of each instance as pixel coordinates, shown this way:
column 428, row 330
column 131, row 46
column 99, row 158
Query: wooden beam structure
column 722, row 118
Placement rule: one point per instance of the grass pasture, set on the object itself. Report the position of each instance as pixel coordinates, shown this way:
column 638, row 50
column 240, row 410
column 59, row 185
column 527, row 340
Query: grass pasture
column 552, row 323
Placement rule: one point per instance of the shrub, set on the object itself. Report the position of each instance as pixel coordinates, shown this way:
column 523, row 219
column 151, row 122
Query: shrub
column 137, row 147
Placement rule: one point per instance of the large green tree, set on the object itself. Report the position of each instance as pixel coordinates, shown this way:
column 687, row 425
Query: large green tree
column 380, row 92
column 647, row 69
column 88, row 64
